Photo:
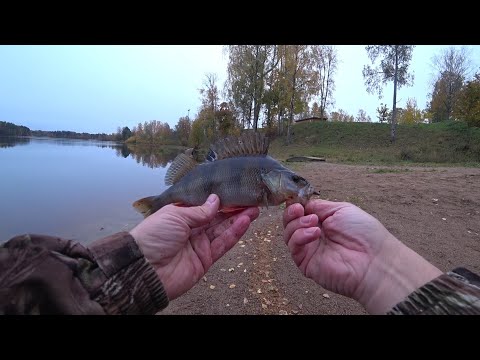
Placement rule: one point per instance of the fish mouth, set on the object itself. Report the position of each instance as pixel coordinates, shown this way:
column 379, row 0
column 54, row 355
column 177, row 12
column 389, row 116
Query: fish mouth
column 307, row 192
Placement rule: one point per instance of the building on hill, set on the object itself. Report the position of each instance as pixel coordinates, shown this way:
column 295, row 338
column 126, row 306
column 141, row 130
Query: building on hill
column 310, row 119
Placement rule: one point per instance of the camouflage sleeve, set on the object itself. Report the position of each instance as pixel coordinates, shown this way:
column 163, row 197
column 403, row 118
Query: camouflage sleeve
column 49, row 275
column 455, row 293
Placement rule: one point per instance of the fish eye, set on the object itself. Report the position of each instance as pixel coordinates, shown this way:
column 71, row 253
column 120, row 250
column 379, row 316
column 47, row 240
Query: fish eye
column 297, row 178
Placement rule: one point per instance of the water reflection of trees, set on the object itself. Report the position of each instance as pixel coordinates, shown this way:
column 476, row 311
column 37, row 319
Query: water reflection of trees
column 150, row 156
column 8, row 141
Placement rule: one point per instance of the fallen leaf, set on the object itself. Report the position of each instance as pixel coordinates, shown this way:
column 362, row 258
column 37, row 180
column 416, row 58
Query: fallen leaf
column 242, row 245
column 326, row 296
column 444, row 219
column 274, row 259
column 231, row 270
column 212, row 287
column 244, row 270
column 228, row 305
column 306, row 291
column 232, row 286
column 264, row 281
column 259, row 291
column 264, row 306
column 283, row 312
column 205, row 278
column 222, row 269
column 267, row 240
column 240, row 242
column 239, row 264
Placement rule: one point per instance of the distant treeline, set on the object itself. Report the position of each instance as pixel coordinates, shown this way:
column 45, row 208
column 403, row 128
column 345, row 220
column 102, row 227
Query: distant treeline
column 74, row 135
column 9, row 129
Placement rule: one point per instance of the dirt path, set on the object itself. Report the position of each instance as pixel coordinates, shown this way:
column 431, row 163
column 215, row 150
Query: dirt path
column 435, row 211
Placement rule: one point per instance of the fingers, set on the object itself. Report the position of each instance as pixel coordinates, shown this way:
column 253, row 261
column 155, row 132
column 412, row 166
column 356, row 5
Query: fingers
column 223, row 221
column 226, row 240
column 196, row 216
column 302, row 237
column 324, row 208
column 292, row 212
column 308, row 221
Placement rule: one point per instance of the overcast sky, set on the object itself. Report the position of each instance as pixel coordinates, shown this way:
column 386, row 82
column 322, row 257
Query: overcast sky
column 97, row 88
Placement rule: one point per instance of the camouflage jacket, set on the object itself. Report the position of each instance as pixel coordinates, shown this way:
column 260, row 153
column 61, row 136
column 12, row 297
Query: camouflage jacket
column 48, row 275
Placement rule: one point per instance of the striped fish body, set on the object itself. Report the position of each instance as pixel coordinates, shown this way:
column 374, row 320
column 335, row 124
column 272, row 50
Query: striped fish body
column 239, row 180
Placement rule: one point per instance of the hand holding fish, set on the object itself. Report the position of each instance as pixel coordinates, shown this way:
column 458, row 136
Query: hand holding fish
column 182, row 243
column 348, row 251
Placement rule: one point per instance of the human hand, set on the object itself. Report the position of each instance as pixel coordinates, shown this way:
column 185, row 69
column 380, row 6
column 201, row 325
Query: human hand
column 348, row 251
column 182, row 243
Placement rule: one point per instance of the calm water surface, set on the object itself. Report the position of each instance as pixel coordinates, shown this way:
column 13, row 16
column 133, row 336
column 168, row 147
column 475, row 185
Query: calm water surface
column 79, row 189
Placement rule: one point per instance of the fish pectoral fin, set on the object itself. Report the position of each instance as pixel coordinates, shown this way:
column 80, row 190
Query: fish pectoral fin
column 181, row 166
column 232, row 209
column 265, row 200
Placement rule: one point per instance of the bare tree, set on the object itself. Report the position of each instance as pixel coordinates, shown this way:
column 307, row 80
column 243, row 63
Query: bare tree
column 325, row 61
column 394, row 62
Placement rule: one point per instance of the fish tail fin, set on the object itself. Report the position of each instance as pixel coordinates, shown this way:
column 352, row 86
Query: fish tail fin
column 148, row 205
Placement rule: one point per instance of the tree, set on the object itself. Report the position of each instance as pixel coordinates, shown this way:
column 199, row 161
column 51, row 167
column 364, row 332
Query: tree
column 452, row 66
column 197, row 135
column 468, row 105
column 299, row 73
column 342, row 116
column 226, row 120
column 248, row 69
column 394, row 62
column 382, row 113
column 126, row 133
column 325, row 65
column 210, row 99
column 411, row 114
column 362, row 116
column 183, row 128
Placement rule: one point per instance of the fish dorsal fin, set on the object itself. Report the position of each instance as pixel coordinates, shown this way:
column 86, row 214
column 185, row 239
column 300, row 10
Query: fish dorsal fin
column 247, row 144
column 179, row 168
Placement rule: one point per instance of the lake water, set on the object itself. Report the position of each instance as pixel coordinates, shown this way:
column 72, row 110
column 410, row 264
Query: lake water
column 78, row 189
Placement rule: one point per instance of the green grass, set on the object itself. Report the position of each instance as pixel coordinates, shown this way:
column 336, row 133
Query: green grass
column 444, row 144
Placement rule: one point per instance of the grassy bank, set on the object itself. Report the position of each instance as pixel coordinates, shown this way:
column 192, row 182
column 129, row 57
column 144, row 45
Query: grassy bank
column 369, row 143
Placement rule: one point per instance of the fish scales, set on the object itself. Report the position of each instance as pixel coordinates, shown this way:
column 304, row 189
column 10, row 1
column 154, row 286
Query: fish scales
column 238, row 170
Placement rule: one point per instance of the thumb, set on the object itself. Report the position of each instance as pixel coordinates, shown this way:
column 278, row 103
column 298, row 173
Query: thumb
column 196, row 216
